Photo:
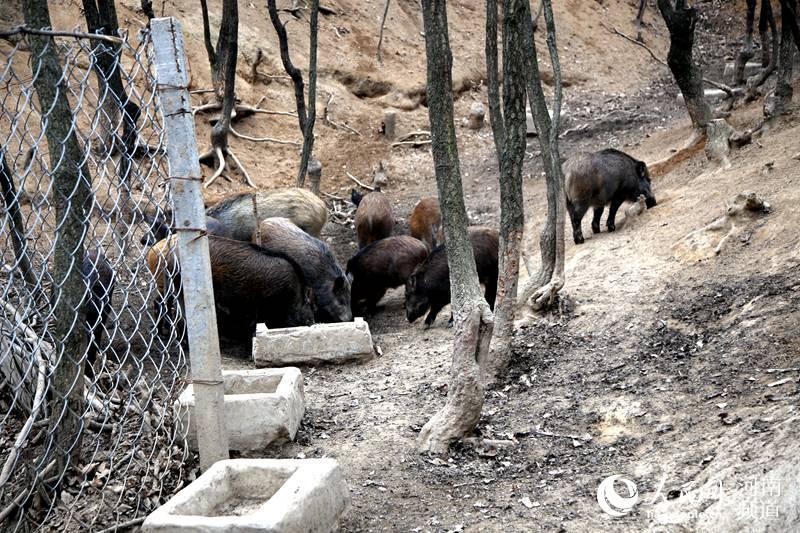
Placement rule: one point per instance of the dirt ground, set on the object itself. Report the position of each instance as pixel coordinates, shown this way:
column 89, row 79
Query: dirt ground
column 676, row 373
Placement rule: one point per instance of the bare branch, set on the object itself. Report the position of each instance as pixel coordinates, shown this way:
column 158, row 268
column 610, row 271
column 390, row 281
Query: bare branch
column 380, row 35
column 355, row 179
column 17, row 30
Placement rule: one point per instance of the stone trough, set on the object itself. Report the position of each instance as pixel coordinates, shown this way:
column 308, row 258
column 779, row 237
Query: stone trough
column 261, row 407
column 257, row 495
column 340, row 342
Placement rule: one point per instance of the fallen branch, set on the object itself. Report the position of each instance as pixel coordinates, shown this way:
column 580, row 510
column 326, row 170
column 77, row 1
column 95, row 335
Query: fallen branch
column 407, row 136
column 18, row 501
column 77, row 34
column 412, row 143
column 721, row 86
column 124, row 525
column 262, row 139
column 359, row 183
column 327, row 120
column 38, row 398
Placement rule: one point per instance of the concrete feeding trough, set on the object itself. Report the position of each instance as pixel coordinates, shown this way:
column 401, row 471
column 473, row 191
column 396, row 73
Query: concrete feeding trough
column 257, row 495
column 261, row 407
column 750, row 69
column 340, row 342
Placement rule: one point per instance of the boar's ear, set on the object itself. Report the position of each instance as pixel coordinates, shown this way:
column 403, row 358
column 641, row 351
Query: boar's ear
column 641, row 170
column 338, row 283
column 355, row 197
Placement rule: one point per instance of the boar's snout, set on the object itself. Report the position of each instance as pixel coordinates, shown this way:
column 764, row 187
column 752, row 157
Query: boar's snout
column 650, row 201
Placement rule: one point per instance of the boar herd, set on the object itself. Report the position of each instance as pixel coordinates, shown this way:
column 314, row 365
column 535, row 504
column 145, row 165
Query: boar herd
column 269, row 265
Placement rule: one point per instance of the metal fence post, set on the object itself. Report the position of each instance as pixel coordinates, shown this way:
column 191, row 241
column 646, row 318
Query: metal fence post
column 189, row 216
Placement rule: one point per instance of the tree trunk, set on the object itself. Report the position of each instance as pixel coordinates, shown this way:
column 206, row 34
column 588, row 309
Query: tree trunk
column 512, row 217
column 492, row 83
column 640, row 18
column 681, row 21
column 225, row 70
column 71, row 195
column 767, row 26
column 293, row 72
column 550, row 279
column 101, row 17
column 473, row 319
column 783, row 89
column 747, row 52
column 17, row 229
column 790, row 7
column 308, row 129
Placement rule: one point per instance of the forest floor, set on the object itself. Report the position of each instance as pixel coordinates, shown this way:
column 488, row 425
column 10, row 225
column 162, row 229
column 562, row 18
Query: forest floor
column 668, row 364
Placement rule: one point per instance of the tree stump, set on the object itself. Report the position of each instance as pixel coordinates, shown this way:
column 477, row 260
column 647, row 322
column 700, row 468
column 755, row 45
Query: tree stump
column 718, row 146
column 389, row 125
column 476, row 116
column 314, row 175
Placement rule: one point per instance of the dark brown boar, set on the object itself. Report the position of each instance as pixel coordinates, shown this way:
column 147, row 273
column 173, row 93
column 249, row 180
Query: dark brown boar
column 99, row 278
column 384, row 264
column 374, row 219
column 425, row 222
column 599, row 178
column 253, row 284
column 428, row 287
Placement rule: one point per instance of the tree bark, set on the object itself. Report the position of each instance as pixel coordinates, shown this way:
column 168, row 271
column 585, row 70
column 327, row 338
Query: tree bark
column 747, row 52
column 473, row 319
column 640, row 18
column 17, row 230
column 544, row 287
column 71, row 195
column 308, row 129
column 512, row 217
column 681, row 20
column 492, row 83
column 293, row 72
column 783, row 89
column 224, row 70
column 791, row 8
column 767, row 26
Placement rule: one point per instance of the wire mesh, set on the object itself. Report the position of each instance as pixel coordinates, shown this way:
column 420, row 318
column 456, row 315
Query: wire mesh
column 88, row 434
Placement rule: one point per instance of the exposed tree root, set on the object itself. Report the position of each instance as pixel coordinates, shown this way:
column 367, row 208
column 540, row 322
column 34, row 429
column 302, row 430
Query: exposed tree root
column 219, row 155
column 262, row 139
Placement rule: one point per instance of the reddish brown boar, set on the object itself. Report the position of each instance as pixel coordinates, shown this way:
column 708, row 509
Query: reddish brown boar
column 374, row 219
column 425, row 222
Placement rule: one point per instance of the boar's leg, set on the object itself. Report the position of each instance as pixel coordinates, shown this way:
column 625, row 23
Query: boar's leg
column 612, row 213
column 435, row 308
column 598, row 212
column 372, row 301
column 576, row 213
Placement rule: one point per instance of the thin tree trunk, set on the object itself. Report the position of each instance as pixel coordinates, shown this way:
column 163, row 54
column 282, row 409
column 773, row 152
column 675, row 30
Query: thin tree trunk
column 308, row 130
column 640, row 18
column 293, row 72
column 681, row 21
column 17, row 230
column 226, row 56
column 492, row 83
column 550, row 279
column 512, row 217
column 473, row 318
column 71, row 196
column 767, row 26
column 747, row 52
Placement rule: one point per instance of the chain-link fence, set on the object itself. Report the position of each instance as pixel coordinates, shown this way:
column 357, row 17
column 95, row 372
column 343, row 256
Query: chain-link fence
column 92, row 351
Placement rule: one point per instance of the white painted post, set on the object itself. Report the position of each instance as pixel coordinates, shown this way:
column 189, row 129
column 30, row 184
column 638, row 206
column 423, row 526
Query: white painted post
column 190, row 221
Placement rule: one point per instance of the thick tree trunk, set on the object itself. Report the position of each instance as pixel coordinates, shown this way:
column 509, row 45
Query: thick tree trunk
column 767, row 27
column 492, row 80
column 308, row 129
column 550, row 279
column 790, row 7
column 747, row 52
column 71, row 196
column 473, row 319
column 225, row 70
column 17, row 229
column 681, row 20
column 512, row 217
column 783, row 89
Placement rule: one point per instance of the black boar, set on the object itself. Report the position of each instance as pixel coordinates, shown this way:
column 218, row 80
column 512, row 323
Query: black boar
column 428, row 287
column 158, row 229
column 384, row 264
column 253, row 284
column 301, row 206
column 374, row 219
column 600, row 178
column 425, row 222
column 327, row 279
column 99, row 278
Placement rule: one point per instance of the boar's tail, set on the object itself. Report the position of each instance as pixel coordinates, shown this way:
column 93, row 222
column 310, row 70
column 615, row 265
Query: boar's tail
column 280, row 255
